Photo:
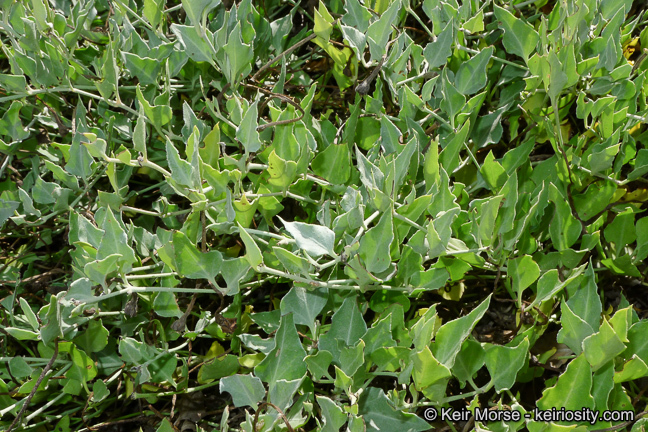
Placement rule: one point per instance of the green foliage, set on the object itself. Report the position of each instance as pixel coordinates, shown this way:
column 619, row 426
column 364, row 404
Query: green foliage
column 270, row 216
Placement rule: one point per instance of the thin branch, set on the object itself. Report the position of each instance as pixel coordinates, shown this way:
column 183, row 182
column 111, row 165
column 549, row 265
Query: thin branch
column 622, row 425
column 35, row 388
column 282, row 97
column 281, row 413
column 282, row 55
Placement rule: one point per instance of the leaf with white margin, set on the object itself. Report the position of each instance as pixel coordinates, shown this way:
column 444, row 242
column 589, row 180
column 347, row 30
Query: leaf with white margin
column 316, row 240
column 246, row 390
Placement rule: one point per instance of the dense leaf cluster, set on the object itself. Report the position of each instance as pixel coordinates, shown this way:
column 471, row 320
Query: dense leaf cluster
column 286, row 215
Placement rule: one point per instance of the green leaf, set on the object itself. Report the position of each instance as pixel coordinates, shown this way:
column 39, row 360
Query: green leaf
column 449, row 158
column 471, row 76
column 427, row 369
column 556, row 79
column 285, row 361
column 115, row 241
column 448, row 339
column 357, row 16
column 292, row 262
column 621, row 231
column 145, row 69
column 574, row 329
column 476, row 23
column 246, row 132
column 304, row 304
column 316, row 240
column 380, row 415
column 436, row 53
column 197, row 47
column 80, row 161
column 594, row 200
column 217, row 368
column 390, row 136
column 423, row 330
column 586, row 302
column 504, row 363
column 550, row 283
column 375, row 244
column 29, row 314
column 22, row 334
column 565, row 229
column 379, row 336
column 572, row 390
column 333, row 164
column 19, row 368
column 633, row 369
column 523, row 271
column 83, row 367
column 181, row 169
column 488, row 211
column 451, row 104
column 318, row 364
column 356, row 39
column 98, row 270
column 347, row 326
column 246, row 390
column 602, row 347
column 17, row 83
column 334, row 417
column 380, row 30
column 252, row 251
column 641, row 162
column 469, row 360
column 166, row 305
column 158, row 114
column 519, row 37
column 94, row 338
column 637, row 341
column 621, row 321
column 281, row 394
column 7, row 209
column 11, row 125
column 196, row 9
column 165, row 426
column 493, row 172
column 153, row 11
column 281, row 172
column 239, row 55
column 194, row 264
column 323, row 23
column 352, row 358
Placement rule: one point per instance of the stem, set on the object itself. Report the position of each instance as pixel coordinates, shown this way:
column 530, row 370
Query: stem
column 424, row 75
column 319, row 181
column 144, row 268
column 417, row 18
column 282, row 55
column 151, row 275
column 136, row 210
column 171, row 393
column 603, row 176
column 44, row 407
column 409, row 222
column 444, row 401
column 134, row 289
column 268, row 270
column 255, row 166
column 300, row 198
column 142, row 21
column 497, row 59
column 36, row 385
column 269, row 234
